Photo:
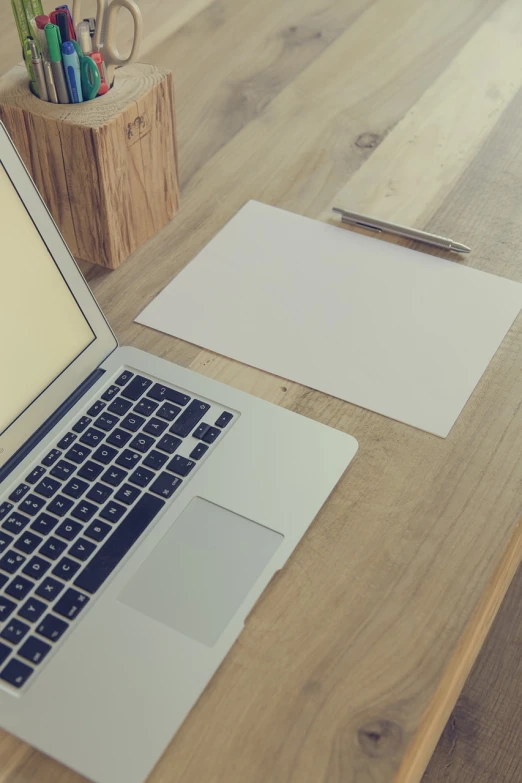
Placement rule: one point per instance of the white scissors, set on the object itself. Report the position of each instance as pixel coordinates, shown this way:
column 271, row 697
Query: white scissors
column 105, row 33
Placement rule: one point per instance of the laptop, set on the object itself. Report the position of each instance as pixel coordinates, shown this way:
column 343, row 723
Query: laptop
column 143, row 510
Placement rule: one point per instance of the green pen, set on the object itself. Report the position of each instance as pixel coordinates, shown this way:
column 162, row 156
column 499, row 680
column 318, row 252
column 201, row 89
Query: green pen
column 54, row 41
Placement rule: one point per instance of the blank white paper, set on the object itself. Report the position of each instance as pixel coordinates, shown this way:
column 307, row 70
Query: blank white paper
column 391, row 329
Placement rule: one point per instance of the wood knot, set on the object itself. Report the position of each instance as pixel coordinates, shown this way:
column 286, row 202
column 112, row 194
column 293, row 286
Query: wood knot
column 380, row 738
column 367, row 140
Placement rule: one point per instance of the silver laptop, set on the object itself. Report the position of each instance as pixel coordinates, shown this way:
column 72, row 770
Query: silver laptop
column 143, row 510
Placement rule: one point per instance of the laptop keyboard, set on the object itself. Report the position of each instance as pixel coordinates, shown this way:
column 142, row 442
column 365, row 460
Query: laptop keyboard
column 67, row 526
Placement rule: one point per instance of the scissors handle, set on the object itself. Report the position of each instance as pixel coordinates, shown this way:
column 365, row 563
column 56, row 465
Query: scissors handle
column 111, row 55
column 91, row 80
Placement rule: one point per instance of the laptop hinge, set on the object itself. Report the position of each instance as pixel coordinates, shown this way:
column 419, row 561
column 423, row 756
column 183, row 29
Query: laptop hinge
column 47, row 426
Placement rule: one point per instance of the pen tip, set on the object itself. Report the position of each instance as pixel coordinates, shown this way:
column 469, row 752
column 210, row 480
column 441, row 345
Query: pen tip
column 458, row 248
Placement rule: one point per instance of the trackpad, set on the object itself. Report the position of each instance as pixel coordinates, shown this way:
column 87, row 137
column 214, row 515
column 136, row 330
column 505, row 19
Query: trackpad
column 201, row 570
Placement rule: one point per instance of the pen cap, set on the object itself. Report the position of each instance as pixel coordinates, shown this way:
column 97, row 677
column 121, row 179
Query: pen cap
column 41, row 21
column 62, row 21
column 68, row 49
column 83, row 32
column 54, row 41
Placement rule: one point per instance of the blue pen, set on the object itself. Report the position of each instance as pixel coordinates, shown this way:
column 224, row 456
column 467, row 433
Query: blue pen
column 71, row 66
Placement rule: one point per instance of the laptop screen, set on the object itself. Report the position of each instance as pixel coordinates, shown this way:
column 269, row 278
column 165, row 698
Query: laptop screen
column 42, row 328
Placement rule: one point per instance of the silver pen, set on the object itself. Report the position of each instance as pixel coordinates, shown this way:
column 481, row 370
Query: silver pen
column 49, row 80
column 38, row 71
column 353, row 219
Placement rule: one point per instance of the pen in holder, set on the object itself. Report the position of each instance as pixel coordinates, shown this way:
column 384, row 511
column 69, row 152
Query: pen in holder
column 106, row 168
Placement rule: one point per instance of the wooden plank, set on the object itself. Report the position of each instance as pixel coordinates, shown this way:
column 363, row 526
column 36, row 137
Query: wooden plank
column 481, row 741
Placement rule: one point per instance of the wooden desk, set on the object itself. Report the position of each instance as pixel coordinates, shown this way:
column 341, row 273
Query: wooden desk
column 410, row 110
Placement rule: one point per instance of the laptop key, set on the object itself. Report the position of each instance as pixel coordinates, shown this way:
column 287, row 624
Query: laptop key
column 94, row 410
column 119, row 438
column 71, row 604
column 132, row 422
column 15, row 523
column 211, row 435
column 142, row 443
column 11, row 562
column 98, row 530
column 82, row 424
column 16, row 673
column 31, row 505
column 34, row 475
column 200, row 431
column 44, row 523
column 49, row 589
column 66, row 568
column 161, row 393
column 104, row 454
column 5, row 540
column 155, row 459
column 113, row 512
column 106, row 422
column 168, row 411
column 119, row 406
column 28, row 542
column 141, row 476
column 66, row 441
column 84, row 511
column 18, row 493
column 5, row 652
column 99, row 493
column 53, row 548
column 155, row 427
column 224, row 419
column 191, row 416
column 51, row 628
column 127, row 494
column 19, row 587
column 165, row 485
column 32, row 610
column 145, row 407
column 63, row 469
column 124, row 378
column 92, row 437
column 75, row 487
column 78, row 454
column 51, row 458
column 36, row 567
column 60, row 505
column 7, row 607
column 109, row 393
column 15, row 631
column 199, row 451
column 5, row 508
column 109, row 555
column 128, row 459
column 3, row 579
column 114, row 476
column 169, row 444
column 34, row 650
column 82, row 549
column 47, row 487
column 136, row 388
column 69, row 529
column 181, row 465
column 90, row 470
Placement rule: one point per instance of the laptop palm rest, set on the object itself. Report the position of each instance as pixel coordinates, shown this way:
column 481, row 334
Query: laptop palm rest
column 197, row 577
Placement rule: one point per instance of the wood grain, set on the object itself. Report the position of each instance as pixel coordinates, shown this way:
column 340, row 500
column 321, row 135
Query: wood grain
column 372, row 626
column 481, row 741
column 107, row 168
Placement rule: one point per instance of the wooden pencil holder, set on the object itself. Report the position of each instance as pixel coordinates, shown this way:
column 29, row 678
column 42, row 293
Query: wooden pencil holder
column 106, row 168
